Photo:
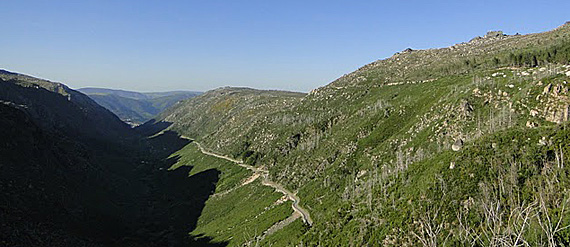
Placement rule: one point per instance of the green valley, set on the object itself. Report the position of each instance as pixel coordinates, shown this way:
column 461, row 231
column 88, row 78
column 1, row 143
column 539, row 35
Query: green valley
column 465, row 145
column 133, row 107
column 415, row 149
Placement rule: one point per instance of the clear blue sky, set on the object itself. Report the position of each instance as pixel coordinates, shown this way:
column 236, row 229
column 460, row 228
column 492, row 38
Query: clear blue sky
column 200, row 45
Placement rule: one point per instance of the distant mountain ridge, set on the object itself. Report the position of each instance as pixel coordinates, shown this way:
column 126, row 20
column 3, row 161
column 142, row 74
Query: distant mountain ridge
column 73, row 174
column 457, row 146
column 136, row 108
column 38, row 97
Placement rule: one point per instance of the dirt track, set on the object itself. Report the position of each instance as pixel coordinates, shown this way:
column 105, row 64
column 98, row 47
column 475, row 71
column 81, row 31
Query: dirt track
column 290, row 195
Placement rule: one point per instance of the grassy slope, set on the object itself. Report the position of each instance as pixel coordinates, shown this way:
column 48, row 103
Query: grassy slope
column 243, row 213
column 364, row 149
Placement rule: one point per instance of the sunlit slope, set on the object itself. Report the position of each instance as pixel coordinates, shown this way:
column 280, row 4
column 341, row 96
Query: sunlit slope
column 362, row 151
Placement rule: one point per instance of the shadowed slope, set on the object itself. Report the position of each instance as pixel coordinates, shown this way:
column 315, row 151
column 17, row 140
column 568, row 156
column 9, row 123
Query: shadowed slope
column 72, row 174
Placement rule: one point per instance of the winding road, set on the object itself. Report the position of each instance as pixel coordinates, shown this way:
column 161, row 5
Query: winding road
column 290, row 195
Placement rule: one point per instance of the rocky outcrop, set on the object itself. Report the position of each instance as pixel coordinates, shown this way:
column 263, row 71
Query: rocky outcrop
column 457, row 145
column 553, row 103
column 494, row 34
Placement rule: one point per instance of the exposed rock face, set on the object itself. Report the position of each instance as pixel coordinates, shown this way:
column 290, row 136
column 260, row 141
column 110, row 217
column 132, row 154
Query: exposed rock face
column 557, row 114
column 555, row 103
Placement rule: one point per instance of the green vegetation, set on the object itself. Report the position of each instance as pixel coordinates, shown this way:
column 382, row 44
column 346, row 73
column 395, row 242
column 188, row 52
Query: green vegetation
column 133, row 107
column 238, row 213
column 504, row 184
column 73, row 174
column 231, row 174
column 242, row 215
column 288, row 236
column 459, row 146
column 370, row 154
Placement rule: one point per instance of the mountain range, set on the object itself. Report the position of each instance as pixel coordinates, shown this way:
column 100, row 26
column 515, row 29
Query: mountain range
column 73, row 174
column 133, row 107
column 465, row 145
column 461, row 145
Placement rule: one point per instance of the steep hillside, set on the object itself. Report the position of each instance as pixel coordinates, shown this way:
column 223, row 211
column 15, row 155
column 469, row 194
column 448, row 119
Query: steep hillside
column 232, row 111
column 133, row 107
column 415, row 149
column 73, row 174
column 59, row 108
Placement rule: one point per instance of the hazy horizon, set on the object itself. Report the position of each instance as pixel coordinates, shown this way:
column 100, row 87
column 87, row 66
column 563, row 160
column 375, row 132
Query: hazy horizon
column 150, row 46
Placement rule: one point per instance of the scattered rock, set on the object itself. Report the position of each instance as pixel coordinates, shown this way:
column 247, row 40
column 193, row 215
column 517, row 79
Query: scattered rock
column 534, row 113
column 466, row 108
column 494, row 34
column 476, row 91
column 542, row 142
column 451, row 165
column 360, row 79
column 361, row 173
column 475, row 39
column 557, row 114
column 531, row 124
column 457, row 145
column 547, row 89
column 556, row 90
